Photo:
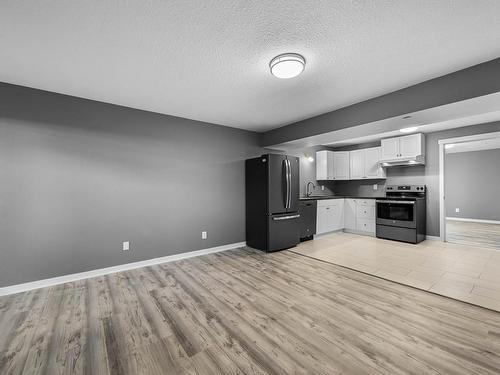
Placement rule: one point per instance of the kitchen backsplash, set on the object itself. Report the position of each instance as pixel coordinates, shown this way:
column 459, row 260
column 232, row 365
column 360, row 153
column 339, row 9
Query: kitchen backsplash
column 360, row 188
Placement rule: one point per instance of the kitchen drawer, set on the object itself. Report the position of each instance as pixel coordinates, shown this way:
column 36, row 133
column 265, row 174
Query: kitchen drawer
column 366, row 202
column 365, row 212
column 330, row 202
column 365, row 225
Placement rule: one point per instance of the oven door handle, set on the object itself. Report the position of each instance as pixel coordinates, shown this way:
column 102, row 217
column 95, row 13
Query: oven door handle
column 404, row 202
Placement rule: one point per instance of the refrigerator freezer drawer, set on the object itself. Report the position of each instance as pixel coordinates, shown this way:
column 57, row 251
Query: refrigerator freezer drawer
column 283, row 231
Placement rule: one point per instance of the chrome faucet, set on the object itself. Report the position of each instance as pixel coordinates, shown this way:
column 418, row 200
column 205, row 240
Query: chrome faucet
column 308, row 194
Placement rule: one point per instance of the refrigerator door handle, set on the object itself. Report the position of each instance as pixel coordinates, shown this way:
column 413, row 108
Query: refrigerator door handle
column 285, row 165
column 289, row 185
column 286, row 182
column 286, row 217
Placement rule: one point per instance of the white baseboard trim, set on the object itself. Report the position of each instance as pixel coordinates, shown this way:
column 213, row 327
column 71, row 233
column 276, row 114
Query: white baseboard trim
column 105, row 271
column 473, row 220
column 433, row 238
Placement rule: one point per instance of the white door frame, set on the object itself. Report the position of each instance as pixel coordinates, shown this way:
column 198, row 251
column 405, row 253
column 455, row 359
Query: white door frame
column 442, row 143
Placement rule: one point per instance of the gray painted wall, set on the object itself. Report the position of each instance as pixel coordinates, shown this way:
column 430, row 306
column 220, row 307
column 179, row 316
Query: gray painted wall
column 472, row 181
column 468, row 83
column 78, row 177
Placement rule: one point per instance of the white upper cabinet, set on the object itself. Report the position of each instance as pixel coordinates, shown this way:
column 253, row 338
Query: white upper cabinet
column 324, row 165
column 408, row 146
column 390, row 148
column 372, row 165
column 332, row 165
column 341, row 165
column 357, row 164
column 365, row 164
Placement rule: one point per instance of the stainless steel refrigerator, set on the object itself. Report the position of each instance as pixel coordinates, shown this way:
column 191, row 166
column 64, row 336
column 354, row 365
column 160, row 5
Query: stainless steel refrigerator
column 272, row 202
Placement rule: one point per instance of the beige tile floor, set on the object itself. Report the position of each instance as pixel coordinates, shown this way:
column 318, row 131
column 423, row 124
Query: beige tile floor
column 463, row 272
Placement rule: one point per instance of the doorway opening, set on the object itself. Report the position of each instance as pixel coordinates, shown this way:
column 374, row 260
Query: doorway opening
column 469, row 171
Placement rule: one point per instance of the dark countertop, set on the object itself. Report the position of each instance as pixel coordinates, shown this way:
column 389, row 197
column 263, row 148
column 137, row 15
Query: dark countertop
column 313, row 198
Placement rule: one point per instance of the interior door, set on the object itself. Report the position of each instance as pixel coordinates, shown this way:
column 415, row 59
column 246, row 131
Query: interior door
column 294, row 184
column 277, row 184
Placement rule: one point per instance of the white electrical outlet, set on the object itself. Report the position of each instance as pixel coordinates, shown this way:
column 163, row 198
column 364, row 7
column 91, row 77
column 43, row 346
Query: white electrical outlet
column 457, row 210
column 204, row 235
column 126, row 246
column 322, row 187
column 375, row 187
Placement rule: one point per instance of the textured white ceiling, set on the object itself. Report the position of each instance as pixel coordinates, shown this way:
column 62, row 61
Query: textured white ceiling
column 208, row 59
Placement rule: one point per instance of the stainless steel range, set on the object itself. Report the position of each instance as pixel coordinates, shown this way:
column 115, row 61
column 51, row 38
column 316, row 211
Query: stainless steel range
column 401, row 213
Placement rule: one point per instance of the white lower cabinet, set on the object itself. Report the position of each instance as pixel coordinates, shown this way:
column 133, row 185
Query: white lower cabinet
column 365, row 225
column 365, row 216
column 350, row 214
column 365, row 212
column 330, row 215
column 356, row 215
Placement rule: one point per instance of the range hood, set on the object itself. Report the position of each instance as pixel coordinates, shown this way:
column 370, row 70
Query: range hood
column 407, row 150
column 401, row 161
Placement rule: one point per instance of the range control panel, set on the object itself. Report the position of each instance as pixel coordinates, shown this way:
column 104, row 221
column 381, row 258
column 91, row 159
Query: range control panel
column 405, row 188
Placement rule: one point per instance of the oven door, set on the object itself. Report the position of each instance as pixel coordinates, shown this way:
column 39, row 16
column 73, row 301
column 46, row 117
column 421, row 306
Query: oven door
column 396, row 213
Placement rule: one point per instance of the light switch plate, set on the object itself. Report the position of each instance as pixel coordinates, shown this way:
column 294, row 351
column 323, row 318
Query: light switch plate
column 457, row 210
column 126, row 246
column 375, row 187
column 322, row 187
column 204, row 235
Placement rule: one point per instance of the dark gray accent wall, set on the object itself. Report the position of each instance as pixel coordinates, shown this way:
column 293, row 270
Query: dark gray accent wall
column 472, row 182
column 78, row 177
column 465, row 84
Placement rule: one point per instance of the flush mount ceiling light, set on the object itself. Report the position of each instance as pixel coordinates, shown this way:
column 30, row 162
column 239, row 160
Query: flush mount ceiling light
column 287, row 65
column 409, row 130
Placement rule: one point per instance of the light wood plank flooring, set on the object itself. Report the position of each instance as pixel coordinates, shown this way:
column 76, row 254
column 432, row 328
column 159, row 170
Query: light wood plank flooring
column 463, row 272
column 244, row 312
column 474, row 234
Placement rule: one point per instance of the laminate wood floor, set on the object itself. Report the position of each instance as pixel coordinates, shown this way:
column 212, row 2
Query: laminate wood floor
column 474, row 234
column 244, row 312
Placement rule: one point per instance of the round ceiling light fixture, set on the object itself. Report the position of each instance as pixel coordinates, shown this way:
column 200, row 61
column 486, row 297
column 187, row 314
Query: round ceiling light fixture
column 287, row 65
